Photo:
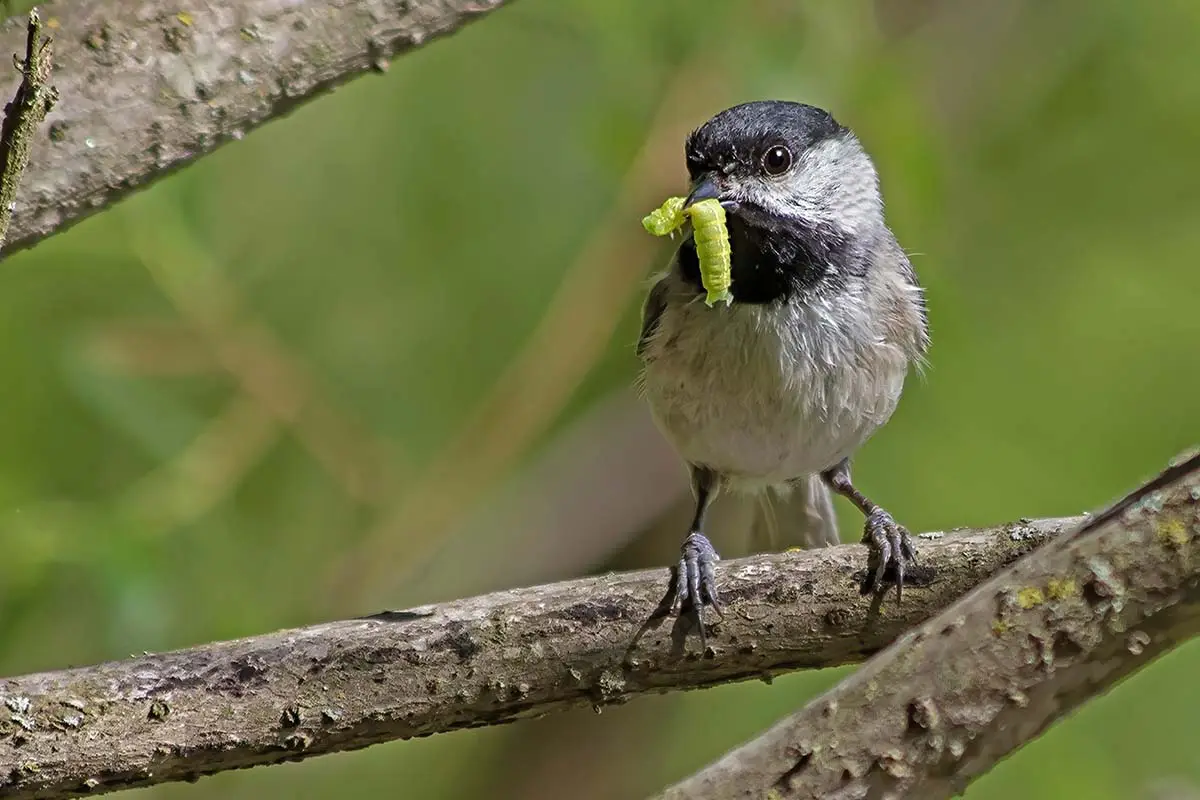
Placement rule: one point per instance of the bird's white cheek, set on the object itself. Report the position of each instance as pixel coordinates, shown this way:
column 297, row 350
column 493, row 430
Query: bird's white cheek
column 791, row 202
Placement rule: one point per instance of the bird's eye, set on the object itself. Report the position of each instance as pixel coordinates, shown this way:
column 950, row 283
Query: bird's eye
column 777, row 160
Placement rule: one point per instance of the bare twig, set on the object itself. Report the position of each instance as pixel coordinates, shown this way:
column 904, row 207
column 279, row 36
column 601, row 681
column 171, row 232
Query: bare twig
column 147, row 88
column 951, row 698
column 22, row 116
column 480, row 661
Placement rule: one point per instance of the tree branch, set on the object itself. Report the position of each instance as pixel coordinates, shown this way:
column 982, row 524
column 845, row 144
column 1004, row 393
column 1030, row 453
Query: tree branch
column 481, row 661
column 147, row 87
column 33, row 100
column 951, row 698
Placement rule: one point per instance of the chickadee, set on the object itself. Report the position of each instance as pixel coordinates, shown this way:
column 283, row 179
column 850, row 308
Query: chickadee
column 773, row 393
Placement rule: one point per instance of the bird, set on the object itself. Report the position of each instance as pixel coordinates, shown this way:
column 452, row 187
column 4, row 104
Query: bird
column 772, row 394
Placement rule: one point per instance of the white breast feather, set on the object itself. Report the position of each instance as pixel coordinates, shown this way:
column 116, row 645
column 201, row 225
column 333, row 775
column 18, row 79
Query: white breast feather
column 765, row 394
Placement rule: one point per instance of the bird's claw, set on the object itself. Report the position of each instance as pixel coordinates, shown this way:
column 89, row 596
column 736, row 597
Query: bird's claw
column 890, row 545
column 695, row 584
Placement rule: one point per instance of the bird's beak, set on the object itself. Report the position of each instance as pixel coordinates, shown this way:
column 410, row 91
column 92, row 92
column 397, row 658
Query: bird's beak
column 706, row 189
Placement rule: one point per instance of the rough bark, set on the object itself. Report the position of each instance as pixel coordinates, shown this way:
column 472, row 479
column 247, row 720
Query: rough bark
column 481, row 661
column 955, row 695
column 23, row 116
column 146, row 87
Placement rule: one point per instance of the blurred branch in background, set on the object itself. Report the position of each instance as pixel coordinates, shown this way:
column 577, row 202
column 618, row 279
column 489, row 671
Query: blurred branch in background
column 23, row 115
column 991, row 672
column 146, row 89
column 565, row 514
column 480, row 661
column 1171, row 788
column 150, row 348
column 208, row 470
column 530, row 394
column 275, row 392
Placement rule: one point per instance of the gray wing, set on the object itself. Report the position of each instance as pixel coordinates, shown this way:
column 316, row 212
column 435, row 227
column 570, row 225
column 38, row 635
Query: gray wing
column 799, row 515
column 907, row 316
column 656, row 301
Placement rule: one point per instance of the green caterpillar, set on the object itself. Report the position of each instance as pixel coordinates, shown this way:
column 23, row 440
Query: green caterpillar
column 711, row 237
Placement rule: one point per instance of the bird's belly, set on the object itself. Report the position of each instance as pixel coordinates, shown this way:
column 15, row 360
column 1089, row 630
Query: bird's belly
column 755, row 449
column 763, row 411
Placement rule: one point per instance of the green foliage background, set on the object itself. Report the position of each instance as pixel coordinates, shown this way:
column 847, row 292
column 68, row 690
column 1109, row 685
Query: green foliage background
column 400, row 240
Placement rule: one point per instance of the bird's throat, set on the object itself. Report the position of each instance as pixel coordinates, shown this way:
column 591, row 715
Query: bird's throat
column 772, row 259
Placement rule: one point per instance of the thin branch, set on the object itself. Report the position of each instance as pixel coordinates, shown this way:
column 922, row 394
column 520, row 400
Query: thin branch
column 147, row 87
column 951, row 698
column 22, row 117
column 482, row 661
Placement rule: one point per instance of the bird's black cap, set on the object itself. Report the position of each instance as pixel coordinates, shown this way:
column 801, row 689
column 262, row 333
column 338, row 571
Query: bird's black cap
column 738, row 135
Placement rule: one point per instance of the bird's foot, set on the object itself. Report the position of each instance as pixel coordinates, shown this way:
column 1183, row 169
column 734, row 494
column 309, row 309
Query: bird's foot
column 695, row 584
column 891, row 547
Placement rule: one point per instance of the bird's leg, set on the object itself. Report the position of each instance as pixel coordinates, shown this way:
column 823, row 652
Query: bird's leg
column 889, row 542
column 695, row 584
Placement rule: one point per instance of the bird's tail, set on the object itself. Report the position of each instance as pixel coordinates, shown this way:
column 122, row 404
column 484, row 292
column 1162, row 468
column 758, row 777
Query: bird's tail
column 800, row 514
